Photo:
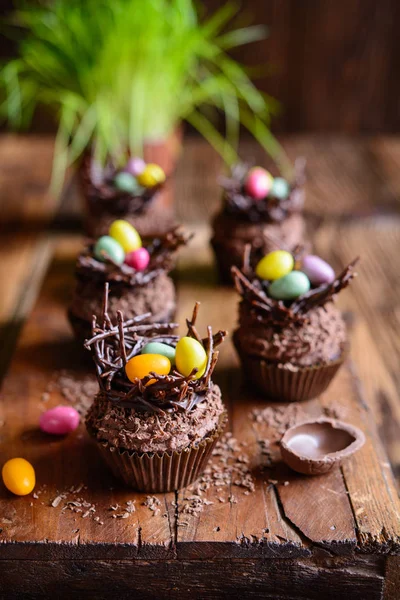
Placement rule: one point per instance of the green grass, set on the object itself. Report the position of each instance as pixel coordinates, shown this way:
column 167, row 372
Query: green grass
column 117, row 73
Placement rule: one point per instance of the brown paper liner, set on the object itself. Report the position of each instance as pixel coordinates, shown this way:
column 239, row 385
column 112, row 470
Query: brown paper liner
column 164, row 472
column 283, row 385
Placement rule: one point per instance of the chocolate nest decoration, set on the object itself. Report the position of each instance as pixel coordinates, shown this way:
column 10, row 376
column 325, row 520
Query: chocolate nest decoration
column 161, row 250
column 268, row 209
column 266, row 309
column 112, row 347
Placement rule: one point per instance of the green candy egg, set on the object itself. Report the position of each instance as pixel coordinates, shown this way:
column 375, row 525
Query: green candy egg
column 160, row 348
column 290, row 286
column 108, row 248
column 125, row 182
column 280, row 188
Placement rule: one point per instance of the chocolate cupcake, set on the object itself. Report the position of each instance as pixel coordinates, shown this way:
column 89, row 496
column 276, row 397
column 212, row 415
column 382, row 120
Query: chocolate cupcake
column 138, row 285
column 259, row 210
column 136, row 193
column 291, row 338
column 157, row 415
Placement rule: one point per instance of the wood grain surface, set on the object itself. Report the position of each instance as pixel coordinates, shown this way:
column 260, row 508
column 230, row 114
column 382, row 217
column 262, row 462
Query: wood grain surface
column 339, row 531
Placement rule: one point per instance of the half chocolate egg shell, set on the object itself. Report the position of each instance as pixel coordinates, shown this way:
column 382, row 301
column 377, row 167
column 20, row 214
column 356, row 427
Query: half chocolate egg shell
column 314, row 447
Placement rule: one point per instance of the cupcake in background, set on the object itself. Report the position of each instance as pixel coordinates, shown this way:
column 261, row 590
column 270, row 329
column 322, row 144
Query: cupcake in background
column 257, row 208
column 291, row 338
column 136, row 193
column 157, row 415
column 136, row 272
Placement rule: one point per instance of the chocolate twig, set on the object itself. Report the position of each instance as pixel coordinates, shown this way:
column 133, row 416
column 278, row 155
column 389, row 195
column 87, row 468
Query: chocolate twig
column 113, row 346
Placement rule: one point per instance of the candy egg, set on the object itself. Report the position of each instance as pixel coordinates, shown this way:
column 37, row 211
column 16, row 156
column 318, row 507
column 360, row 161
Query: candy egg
column 160, row 348
column 125, row 235
column 138, row 259
column 280, row 188
column 135, row 166
column 125, row 182
column 143, row 364
column 258, row 183
column 290, row 286
column 317, row 270
column 59, row 420
column 151, row 176
column 190, row 355
column 108, row 248
column 274, row 265
column 18, row 476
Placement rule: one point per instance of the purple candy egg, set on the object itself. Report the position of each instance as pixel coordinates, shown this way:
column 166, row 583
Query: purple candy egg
column 135, row 166
column 59, row 420
column 317, row 270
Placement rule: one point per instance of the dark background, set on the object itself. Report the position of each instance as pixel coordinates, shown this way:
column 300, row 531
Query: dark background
column 334, row 64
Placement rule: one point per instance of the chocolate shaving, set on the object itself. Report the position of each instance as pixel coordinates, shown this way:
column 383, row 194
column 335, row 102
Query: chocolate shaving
column 269, row 209
column 113, row 345
column 161, row 250
column 268, row 310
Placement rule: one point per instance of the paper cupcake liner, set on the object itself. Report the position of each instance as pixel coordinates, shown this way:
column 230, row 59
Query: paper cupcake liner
column 283, row 385
column 164, row 472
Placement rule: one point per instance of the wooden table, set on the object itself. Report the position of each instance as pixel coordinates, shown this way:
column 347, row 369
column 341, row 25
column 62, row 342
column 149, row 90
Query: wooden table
column 278, row 536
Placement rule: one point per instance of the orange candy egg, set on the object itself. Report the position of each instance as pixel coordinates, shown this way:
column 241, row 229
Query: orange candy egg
column 142, row 365
column 18, row 476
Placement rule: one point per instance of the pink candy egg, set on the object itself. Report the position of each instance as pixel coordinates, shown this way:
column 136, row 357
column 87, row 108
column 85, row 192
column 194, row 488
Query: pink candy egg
column 138, row 259
column 258, row 183
column 135, row 166
column 59, row 420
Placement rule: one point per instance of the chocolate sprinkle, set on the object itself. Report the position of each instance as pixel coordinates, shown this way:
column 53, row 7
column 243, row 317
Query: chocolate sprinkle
column 112, row 346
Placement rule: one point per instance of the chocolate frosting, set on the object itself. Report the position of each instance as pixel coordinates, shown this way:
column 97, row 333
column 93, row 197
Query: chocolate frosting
column 269, row 209
column 135, row 430
column 319, row 339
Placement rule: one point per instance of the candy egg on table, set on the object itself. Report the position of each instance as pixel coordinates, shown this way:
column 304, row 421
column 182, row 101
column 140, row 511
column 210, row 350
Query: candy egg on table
column 59, row 420
column 317, row 270
column 280, row 188
column 138, row 259
column 274, row 265
column 189, row 355
column 19, row 476
column 151, row 176
column 258, row 183
column 107, row 247
column 135, row 166
column 290, row 286
column 126, row 235
column 160, row 348
column 126, row 182
column 143, row 364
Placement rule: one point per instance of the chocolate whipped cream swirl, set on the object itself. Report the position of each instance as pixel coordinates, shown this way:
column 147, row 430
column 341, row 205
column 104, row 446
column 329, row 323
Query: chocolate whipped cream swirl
column 269, row 210
column 113, row 345
column 161, row 249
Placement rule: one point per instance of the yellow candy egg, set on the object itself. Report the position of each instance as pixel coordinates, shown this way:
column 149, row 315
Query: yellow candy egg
column 151, row 176
column 142, row 365
column 125, row 235
column 189, row 355
column 19, row 476
column 275, row 265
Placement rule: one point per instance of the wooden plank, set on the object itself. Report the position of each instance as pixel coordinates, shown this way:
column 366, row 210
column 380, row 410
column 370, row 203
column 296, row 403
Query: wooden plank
column 45, row 346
